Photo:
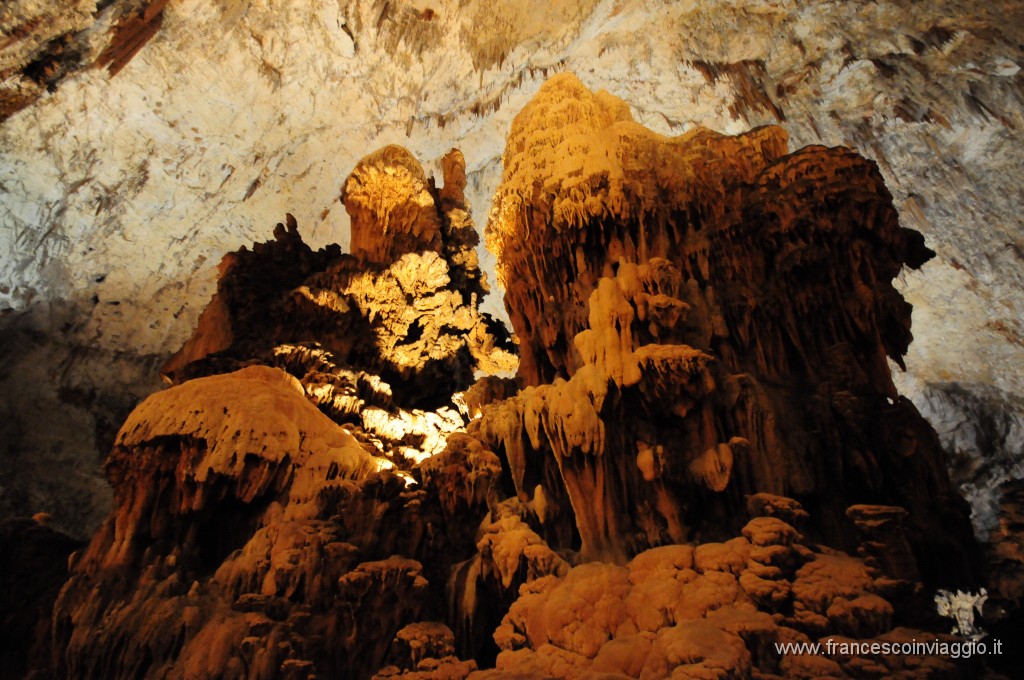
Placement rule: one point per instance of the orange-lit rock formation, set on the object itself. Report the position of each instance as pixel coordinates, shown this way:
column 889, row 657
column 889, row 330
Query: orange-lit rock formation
column 702, row 455
column 702, row 318
column 391, row 207
column 268, row 522
column 218, row 556
column 717, row 610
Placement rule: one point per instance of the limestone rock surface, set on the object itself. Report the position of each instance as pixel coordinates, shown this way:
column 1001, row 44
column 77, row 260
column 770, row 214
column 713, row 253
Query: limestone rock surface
column 44, row 43
column 384, row 340
column 217, row 484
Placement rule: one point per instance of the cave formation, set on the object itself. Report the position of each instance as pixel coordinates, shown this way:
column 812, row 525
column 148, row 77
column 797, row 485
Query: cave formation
column 701, row 453
column 690, row 445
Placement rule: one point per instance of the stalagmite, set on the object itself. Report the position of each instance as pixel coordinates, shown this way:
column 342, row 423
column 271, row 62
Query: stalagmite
column 721, row 312
column 269, row 518
column 391, row 208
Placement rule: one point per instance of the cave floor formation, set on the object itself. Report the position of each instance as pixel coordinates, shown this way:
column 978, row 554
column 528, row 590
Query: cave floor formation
column 689, row 459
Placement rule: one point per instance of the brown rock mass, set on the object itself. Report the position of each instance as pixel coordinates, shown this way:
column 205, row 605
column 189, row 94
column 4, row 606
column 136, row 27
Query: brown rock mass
column 702, row 431
column 217, row 484
column 702, row 318
column 257, row 535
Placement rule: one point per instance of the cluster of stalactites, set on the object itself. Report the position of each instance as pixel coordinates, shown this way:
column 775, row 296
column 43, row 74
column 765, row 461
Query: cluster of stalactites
column 782, row 290
column 629, row 347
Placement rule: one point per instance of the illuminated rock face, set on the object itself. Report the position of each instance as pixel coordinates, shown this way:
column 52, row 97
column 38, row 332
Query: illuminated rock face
column 701, row 318
column 124, row 183
column 391, row 209
column 257, row 535
column 394, row 326
column 324, row 492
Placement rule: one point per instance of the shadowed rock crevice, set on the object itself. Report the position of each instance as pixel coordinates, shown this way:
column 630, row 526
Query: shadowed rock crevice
column 41, row 45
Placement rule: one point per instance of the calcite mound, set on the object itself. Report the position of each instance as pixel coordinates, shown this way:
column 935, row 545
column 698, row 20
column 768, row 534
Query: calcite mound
column 704, row 318
column 251, row 532
column 671, row 613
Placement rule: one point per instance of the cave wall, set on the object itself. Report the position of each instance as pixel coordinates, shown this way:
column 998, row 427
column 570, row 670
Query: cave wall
column 120, row 188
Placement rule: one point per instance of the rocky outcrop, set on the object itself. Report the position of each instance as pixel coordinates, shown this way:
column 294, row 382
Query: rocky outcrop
column 510, row 555
column 884, row 542
column 704, row 321
column 391, row 209
column 246, row 309
column 121, row 193
column 252, row 532
column 423, row 651
column 733, row 304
